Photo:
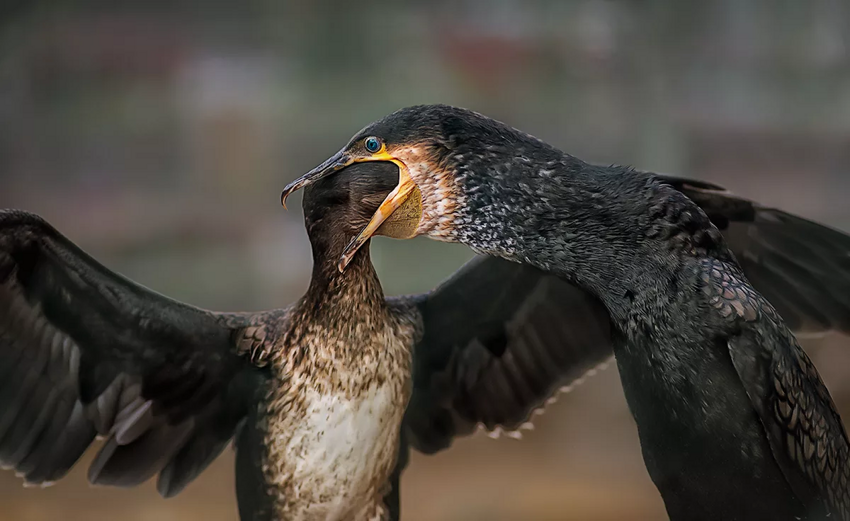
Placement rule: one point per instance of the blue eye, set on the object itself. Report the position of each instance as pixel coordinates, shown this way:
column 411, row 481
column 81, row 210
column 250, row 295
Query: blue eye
column 372, row 144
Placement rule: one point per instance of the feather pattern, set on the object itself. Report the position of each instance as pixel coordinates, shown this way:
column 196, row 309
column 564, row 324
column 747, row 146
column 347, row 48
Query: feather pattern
column 84, row 351
column 501, row 339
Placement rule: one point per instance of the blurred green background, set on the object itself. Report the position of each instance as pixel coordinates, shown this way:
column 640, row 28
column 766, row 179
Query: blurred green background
column 158, row 135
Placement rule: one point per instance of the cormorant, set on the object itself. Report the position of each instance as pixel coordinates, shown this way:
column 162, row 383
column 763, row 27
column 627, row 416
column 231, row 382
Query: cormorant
column 734, row 420
column 313, row 395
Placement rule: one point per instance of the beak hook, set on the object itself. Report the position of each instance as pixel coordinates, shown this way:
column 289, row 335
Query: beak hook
column 333, row 164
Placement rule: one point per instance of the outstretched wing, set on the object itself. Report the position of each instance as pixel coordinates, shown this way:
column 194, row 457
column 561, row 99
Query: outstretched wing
column 86, row 352
column 802, row 426
column 802, row 268
column 499, row 339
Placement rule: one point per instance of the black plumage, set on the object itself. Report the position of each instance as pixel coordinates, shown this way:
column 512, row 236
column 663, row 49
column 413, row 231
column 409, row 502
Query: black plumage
column 734, row 420
column 88, row 352
column 84, row 351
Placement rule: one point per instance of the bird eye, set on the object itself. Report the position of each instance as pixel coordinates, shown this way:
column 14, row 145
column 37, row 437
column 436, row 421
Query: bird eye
column 372, row 144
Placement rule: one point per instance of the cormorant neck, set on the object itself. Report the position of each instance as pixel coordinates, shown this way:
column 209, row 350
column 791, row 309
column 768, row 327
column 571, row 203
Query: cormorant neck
column 358, row 286
column 616, row 233
column 341, row 313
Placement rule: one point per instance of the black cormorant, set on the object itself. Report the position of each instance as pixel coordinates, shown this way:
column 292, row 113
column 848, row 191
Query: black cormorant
column 733, row 418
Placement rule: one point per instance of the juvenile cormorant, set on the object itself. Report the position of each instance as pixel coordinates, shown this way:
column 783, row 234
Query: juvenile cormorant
column 313, row 395
column 734, row 420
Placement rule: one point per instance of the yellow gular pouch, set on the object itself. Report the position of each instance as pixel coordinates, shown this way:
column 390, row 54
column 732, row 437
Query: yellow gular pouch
column 404, row 221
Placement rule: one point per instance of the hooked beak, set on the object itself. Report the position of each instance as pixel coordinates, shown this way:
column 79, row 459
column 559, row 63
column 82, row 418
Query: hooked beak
column 335, row 163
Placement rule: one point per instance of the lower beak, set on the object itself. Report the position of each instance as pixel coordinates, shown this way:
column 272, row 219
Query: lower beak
column 393, row 201
column 335, row 163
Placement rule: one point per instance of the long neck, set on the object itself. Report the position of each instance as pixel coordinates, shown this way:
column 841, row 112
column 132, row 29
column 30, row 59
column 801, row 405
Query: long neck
column 621, row 235
column 334, row 299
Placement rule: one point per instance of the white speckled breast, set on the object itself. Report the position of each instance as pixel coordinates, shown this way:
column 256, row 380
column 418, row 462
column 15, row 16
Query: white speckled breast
column 344, row 451
column 333, row 428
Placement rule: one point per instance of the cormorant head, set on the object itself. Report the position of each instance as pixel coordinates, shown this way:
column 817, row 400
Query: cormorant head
column 338, row 207
column 430, row 145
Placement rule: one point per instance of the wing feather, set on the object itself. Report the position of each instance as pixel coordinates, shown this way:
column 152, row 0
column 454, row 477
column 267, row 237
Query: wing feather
column 84, row 351
column 800, row 420
column 799, row 266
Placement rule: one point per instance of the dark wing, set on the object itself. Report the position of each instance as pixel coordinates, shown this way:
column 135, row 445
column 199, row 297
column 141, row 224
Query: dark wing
column 801, row 267
column 803, row 428
column 499, row 339
column 85, row 352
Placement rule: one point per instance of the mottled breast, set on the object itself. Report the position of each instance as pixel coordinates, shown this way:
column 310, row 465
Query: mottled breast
column 333, row 428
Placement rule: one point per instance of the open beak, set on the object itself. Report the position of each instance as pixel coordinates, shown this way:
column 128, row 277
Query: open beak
column 393, row 202
column 335, row 163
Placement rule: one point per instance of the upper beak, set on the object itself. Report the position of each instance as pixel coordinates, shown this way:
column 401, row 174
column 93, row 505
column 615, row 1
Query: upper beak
column 335, row 163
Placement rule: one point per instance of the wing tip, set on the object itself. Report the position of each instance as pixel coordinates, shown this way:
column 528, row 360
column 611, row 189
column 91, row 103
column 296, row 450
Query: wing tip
column 528, row 424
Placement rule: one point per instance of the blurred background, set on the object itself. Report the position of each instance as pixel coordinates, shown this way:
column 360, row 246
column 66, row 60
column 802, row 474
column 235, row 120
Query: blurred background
column 158, row 135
